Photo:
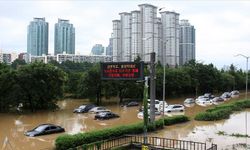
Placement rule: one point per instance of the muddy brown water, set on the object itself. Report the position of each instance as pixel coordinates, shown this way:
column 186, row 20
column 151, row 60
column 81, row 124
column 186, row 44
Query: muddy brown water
column 13, row 126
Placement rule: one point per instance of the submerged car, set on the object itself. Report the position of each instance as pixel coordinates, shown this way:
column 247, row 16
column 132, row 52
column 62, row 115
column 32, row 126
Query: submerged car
column 226, row 95
column 208, row 95
column 140, row 114
column 235, row 93
column 189, row 101
column 131, row 104
column 174, row 108
column 106, row 115
column 98, row 109
column 203, row 101
column 44, row 129
column 84, row 108
column 217, row 100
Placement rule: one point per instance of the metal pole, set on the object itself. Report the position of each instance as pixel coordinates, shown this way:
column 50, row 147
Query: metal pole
column 164, row 81
column 152, row 87
column 246, row 75
column 246, row 91
column 145, row 110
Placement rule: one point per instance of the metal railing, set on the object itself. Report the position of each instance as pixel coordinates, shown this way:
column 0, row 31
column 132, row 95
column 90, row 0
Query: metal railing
column 152, row 143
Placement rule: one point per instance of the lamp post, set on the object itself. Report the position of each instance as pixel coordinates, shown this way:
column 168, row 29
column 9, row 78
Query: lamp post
column 164, row 80
column 247, row 57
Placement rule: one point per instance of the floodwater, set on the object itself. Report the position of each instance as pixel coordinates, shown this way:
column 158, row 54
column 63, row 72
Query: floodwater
column 13, row 126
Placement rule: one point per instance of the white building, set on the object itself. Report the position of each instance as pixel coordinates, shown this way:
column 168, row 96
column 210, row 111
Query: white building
column 136, row 39
column 148, row 23
column 170, row 26
column 141, row 32
column 125, row 36
column 117, row 53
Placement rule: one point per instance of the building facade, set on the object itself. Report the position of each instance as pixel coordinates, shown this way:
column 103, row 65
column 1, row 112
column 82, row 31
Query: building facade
column 64, row 37
column 37, row 37
column 170, row 26
column 117, row 51
column 136, row 37
column 5, row 58
column 148, row 22
column 109, row 48
column 187, row 42
column 125, row 36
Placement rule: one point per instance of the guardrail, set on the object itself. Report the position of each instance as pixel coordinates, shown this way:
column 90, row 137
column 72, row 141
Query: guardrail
column 152, row 143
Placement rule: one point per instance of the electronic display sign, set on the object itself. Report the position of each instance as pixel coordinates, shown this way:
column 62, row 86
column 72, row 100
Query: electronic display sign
column 122, row 71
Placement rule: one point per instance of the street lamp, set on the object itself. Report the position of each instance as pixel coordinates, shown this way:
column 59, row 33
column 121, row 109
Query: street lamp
column 247, row 57
column 164, row 80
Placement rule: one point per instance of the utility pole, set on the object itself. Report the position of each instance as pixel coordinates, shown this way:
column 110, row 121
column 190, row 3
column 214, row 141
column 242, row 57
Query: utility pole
column 152, row 87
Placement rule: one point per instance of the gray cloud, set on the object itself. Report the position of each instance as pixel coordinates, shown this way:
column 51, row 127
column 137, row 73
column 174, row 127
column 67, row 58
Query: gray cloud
column 222, row 27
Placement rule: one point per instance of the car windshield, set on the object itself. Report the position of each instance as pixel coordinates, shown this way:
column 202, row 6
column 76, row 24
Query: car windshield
column 40, row 128
column 82, row 107
column 102, row 113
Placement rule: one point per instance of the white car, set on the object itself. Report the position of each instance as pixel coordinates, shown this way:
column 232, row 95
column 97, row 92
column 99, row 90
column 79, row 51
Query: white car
column 174, row 108
column 203, row 101
column 140, row 114
column 235, row 94
column 189, row 101
column 158, row 104
column 98, row 109
column 226, row 95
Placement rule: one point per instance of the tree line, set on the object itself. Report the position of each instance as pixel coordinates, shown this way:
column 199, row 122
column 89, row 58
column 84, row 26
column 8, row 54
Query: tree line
column 38, row 86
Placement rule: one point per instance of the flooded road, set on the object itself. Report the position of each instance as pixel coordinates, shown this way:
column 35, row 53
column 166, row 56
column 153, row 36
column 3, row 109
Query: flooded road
column 13, row 126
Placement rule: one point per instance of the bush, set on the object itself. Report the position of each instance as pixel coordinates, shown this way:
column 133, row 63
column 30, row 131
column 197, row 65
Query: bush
column 175, row 120
column 70, row 141
column 223, row 111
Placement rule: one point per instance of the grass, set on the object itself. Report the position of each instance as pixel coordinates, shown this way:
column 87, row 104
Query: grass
column 238, row 135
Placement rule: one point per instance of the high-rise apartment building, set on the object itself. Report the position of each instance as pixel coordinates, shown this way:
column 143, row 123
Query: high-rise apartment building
column 37, row 38
column 141, row 32
column 159, row 40
column 117, row 51
column 125, row 36
column 170, row 27
column 148, row 21
column 64, row 37
column 136, row 39
column 187, row 42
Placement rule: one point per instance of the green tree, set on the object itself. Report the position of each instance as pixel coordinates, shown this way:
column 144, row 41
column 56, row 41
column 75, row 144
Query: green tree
column 41, row 85
column 17, row 63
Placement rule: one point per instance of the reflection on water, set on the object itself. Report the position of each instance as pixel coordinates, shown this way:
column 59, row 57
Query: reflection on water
column 13, row 126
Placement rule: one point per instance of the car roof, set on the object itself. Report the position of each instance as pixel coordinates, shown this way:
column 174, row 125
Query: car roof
column 46, row 124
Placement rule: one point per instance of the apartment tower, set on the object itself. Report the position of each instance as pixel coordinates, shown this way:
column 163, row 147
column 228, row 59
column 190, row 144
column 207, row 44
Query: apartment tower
column 37, row 37
column 187, row 42
column 170, row 27
column 64, row 37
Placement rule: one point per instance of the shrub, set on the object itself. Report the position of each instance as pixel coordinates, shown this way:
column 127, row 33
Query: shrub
column 175, row 120
column 70, row 141
column 223, row 111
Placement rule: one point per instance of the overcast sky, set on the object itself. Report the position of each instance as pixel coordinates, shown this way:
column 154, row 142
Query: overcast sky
column 222, row 26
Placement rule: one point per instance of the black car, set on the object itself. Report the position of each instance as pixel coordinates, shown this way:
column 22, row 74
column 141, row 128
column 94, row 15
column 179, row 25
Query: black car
column 44, row 129
column 131, row 104
column 84, row 108
column 106, row 115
